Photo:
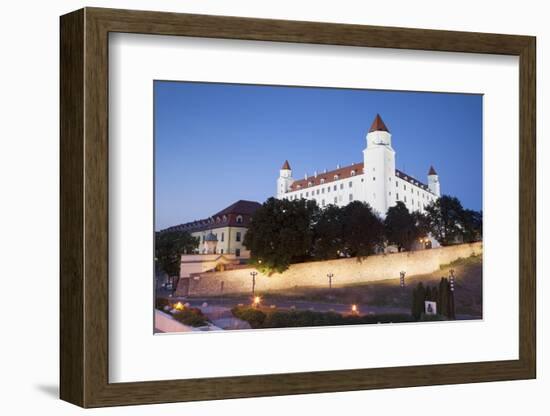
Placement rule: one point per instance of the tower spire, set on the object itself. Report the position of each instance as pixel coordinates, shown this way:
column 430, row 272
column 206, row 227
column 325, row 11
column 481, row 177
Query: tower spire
column 378, row 125
column 432, row 171
column 286, row 165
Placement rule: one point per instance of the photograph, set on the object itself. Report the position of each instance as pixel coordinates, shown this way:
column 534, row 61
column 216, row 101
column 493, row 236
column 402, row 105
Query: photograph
column 290, row 206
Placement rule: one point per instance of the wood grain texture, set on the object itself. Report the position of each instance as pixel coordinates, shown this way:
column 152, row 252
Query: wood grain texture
column 84, row 207
column 71, row 208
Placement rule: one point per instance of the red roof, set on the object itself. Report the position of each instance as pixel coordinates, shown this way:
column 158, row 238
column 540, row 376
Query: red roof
column 432, row 171
column 286, row 165
column 378, row 125
column 341, row 173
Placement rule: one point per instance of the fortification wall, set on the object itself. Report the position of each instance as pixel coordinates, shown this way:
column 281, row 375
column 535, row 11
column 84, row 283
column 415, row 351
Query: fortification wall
column 346, row 271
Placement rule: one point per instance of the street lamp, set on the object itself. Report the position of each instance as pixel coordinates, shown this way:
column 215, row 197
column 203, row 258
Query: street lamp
column 452, row 279
column 402, row 279
column 253, row 274
column 330, row 276
column 354, row 310
column 256, row 301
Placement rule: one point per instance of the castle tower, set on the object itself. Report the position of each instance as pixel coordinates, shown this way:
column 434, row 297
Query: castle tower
column 433, row 181
column 379, row 167
column 285, row 179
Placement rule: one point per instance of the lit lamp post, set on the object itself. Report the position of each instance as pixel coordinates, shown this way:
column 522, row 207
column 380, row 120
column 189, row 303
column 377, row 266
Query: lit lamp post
column 354, row 310
column 256, row 301
column 452, row 279
column 402, row 279
column 330, row 276
column 253, row 274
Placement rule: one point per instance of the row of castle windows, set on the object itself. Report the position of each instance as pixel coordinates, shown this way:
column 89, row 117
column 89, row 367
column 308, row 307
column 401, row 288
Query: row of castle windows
column 239, row 219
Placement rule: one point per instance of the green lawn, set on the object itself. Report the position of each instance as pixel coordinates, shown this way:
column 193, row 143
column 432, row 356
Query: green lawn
column 388, row 293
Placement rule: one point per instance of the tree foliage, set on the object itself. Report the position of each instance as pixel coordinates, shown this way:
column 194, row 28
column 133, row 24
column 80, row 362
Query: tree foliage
column 472, row 222
column 169, row 246
column 449, row 222
column 281, row 232
column 363, row 230
column 401, row 226
column 328, row 240
column 444, row 219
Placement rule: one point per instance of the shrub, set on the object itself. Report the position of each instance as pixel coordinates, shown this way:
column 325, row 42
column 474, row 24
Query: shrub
column 253, row 316
column 293, row 318
column 191, row 316
column 160, row 303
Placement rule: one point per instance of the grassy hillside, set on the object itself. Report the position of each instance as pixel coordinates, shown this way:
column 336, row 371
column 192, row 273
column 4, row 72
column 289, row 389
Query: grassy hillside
column 388, row 293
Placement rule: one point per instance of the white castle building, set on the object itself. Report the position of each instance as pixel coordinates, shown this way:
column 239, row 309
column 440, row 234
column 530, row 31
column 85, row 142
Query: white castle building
column 375, row 180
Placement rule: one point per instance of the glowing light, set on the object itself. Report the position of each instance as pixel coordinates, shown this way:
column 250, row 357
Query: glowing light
column 257, row 300
column 354, row 309
column 179, row 306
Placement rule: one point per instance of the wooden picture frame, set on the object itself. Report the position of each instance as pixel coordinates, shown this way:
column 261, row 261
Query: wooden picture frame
column 84, row 207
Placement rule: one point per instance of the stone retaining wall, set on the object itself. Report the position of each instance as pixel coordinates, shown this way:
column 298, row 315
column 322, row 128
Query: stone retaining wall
column 346, row 271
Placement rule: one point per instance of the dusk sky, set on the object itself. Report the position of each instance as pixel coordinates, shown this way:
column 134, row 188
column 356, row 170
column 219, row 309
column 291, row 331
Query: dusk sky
column 218, row 143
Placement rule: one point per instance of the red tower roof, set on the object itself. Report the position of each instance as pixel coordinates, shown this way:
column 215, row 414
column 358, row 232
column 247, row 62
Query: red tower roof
column 286, row 165
column 378, row 125
column 432, row 171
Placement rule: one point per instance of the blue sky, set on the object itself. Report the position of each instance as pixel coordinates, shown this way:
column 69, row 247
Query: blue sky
column 218, row 143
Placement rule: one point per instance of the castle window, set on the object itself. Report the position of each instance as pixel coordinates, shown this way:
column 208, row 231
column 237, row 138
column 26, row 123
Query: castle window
column 350, row 197
column 223, row 236
column 336, row 177
column 221, row 251
column 396, row 184
column 350, row 184
column 301, row 195
column 218, row 219
column 397, row 196
column 352, row 173
column 374, row 178
column 317, row 191
column 341, row 186
column 322, row 181
column 309, row 183
column 238, row 236
column 239, row 219
column 405, row 198
column 335, row 187
column 323, row 190
column 225, row 218
column 404, row 187
column 362, row 180
column 323, row 203
column 335, row 200
column 307, row 194
column 238, row 252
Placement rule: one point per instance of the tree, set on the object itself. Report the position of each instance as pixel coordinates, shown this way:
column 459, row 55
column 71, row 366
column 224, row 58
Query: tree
column 281, row 232
column 401, row 226
column 363, row 230
column 169, row 246
column 472, row 222
column 419, row 296
column 445, row 217
column 328, row 236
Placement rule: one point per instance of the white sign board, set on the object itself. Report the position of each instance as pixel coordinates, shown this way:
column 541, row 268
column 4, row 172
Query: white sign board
column 430, row 308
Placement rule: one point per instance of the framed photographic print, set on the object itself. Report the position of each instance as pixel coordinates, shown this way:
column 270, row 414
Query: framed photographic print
column 256, row 207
